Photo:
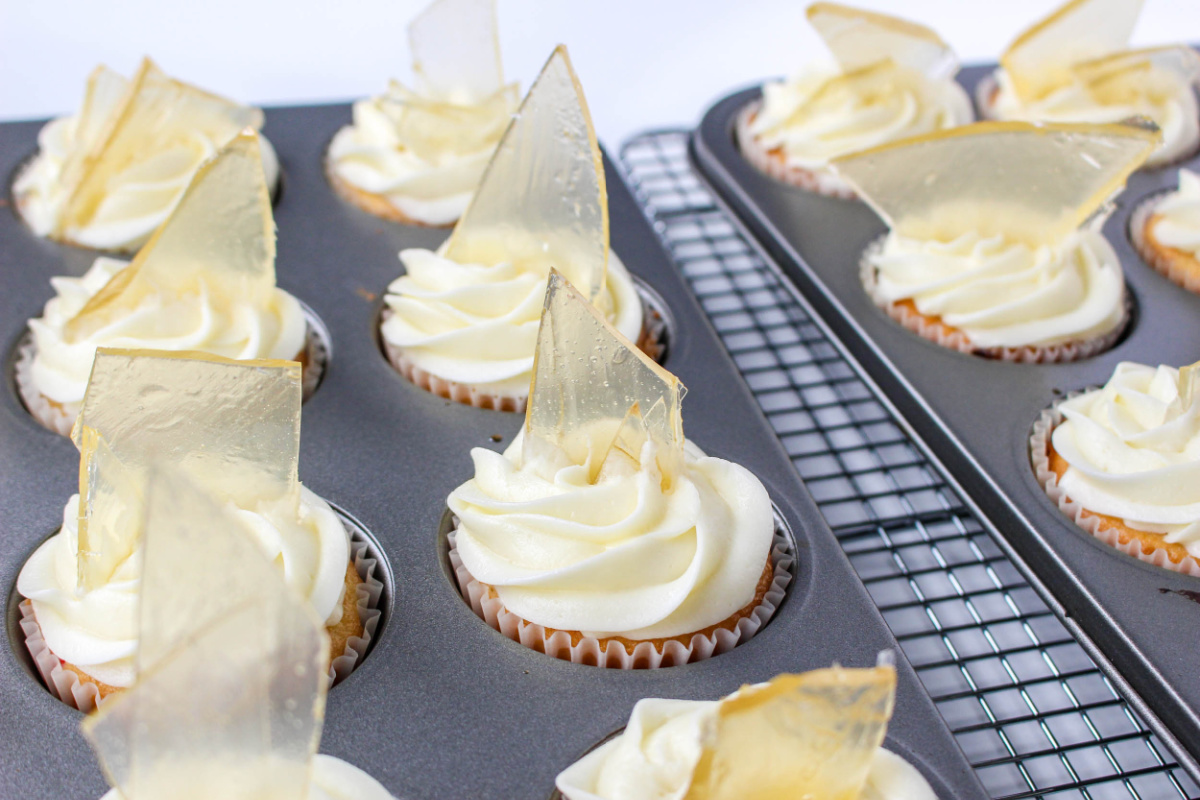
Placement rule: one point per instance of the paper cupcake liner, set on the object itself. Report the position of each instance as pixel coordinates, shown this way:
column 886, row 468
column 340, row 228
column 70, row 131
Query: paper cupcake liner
column 954, row 339
column 1177, row 273
column 615, row 656
column 653, row 341
column 60, row 418
column 1039, row 455
column 819, row 181
column 85, row 696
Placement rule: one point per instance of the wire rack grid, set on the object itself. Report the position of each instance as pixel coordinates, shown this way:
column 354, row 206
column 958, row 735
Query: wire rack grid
column 1030, row 708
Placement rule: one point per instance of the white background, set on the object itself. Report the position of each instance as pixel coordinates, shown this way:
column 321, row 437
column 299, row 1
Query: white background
column 643, row 63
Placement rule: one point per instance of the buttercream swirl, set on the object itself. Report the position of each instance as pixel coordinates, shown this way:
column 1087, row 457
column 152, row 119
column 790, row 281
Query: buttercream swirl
column 61, row 367
column 137, row 200
column 1134, row 452
column 656, row 755
column 97, row 630
column 1003, row 293
column 477, row 324
column 424, row 157
column 330, row 779
column 1178, row 215
column 621, row 556
column 817, row 116
column 1162, row 97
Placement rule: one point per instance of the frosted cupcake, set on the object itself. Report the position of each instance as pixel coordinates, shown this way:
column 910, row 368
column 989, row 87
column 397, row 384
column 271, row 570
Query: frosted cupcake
column 892, row 79
column 416, row 156
column 462, row 322
column 204, row 282
column 241, row 440
column 231, row 662
column 110, row 175
column 994, row 246
column 601, row 537
column 1166, row 231
column 1123, row 462
column 818, row 734
column 1076, row 66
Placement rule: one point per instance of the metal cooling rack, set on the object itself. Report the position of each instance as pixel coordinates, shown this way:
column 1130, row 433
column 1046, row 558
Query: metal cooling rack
column 1030, row 708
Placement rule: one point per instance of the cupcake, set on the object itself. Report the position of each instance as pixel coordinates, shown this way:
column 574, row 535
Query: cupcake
column 241, row 441
column 416, row 156
column 994, row 246
column 462, row 321
column 204, row 282
column 892, row 79
column 1076, row 66
column 1166, row 231
column 230, row 691
column 1123, row 462
column 601, row 537
column 109, row 176
column 817, row 734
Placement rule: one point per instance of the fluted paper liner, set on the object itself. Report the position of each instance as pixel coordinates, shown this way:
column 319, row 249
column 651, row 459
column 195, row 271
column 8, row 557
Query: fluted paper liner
column 84, row 696
column 955, row 339
column 1039, row 441
column 1178, row 274
column 59, row 418
column 775, row 164
column 644, row 656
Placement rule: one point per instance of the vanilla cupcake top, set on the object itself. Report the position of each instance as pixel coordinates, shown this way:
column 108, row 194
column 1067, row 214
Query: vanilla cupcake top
column 599, row 518
column 725, row 747
column 232, row 665
column 988, row 228
column 1177, row 216
column 469, row 312
column 893, row 79
column 205, row 282
column 108, row 176
column 425, row 151
column 1076, row 66
column 1133, row 450
column 241, row 440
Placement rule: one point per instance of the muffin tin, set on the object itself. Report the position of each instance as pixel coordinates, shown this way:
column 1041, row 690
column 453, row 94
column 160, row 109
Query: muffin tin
column 977, row 414
column 442, row 705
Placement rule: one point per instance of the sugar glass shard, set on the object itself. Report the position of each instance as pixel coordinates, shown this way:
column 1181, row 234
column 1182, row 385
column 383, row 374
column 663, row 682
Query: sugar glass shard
column 232, row 664
column 586, row 379
column 542, row 201
column 1122, row 77
column 1030, row 183
column 810, row 735
column 220, row 239
column 1189, row 383
column 456, row 50
column 158, row 114
column 875, row 79
column 431, row 128
column 232, row 426
column 110, row 511
column 105, row 91
column 1040, row 59
column 859, row 38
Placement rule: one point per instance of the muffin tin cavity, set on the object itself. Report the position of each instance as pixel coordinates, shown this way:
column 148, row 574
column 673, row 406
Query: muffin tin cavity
column 374, row 595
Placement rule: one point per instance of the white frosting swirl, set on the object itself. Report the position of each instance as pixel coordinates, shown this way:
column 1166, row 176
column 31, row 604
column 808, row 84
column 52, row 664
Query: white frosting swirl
column 1134, row 452
column 476, row 324
column 1002, row 293
column 620, row 557
column 1178, row 225
column 331, row 779
column 138, row 199
column 814, row 121
column 192, row 322
column 97, row 630
column 1165, row 99
column 426, row 165
column 656, row 754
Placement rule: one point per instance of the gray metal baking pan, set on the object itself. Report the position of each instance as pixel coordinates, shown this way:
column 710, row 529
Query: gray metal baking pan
column 977, row 414
column 443, row 705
